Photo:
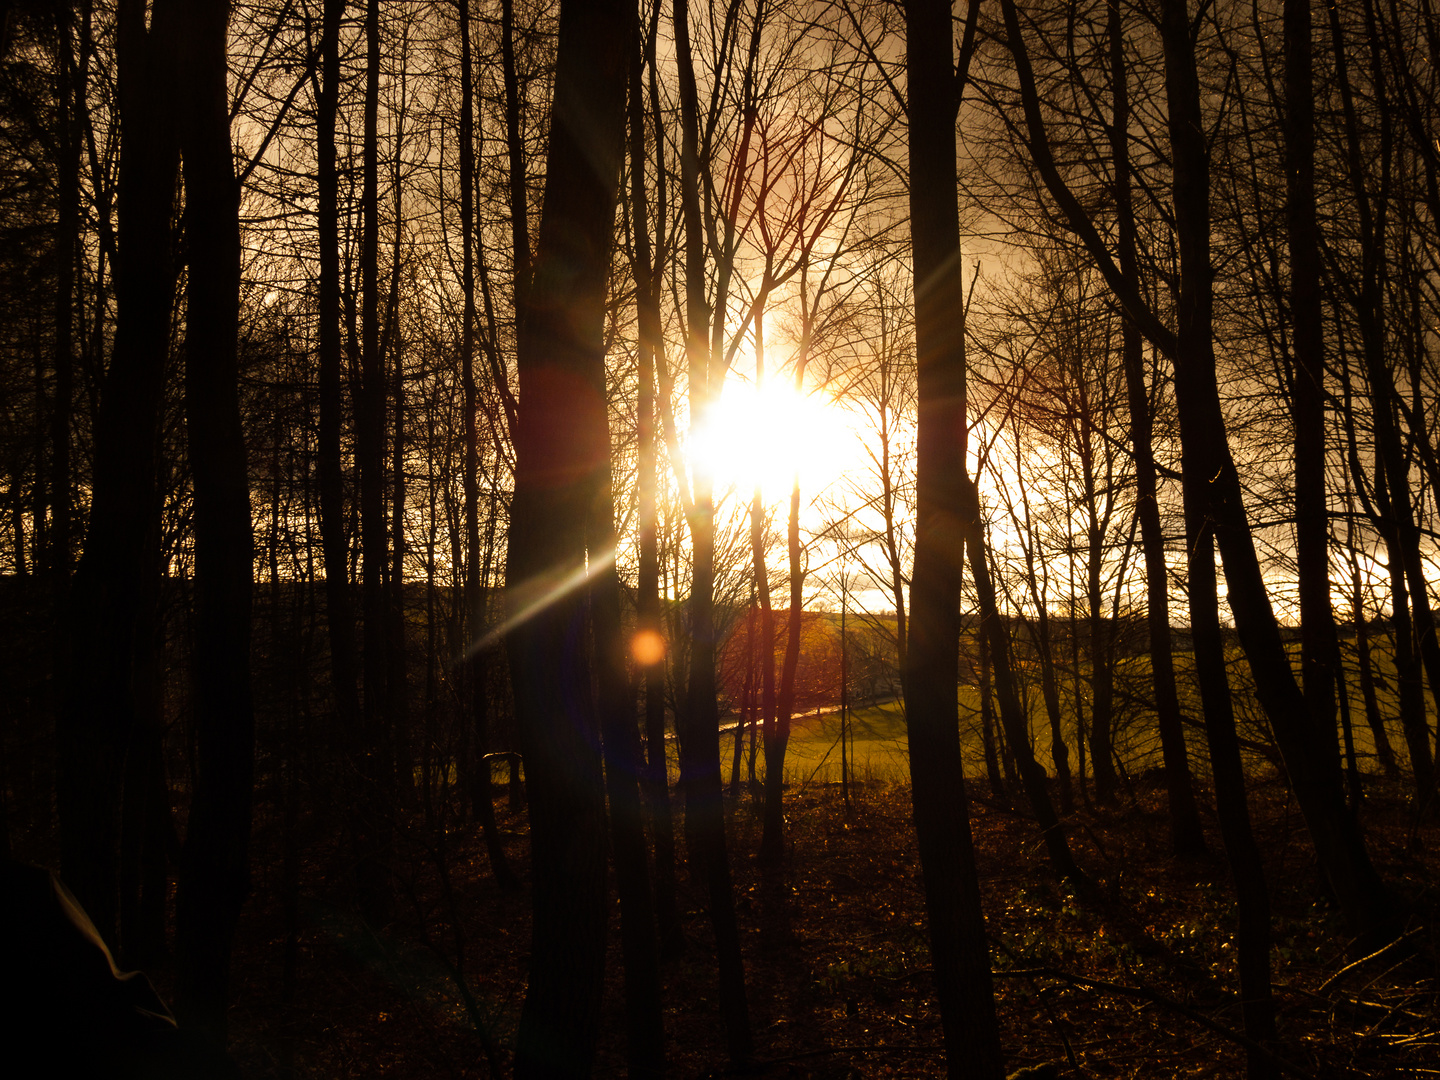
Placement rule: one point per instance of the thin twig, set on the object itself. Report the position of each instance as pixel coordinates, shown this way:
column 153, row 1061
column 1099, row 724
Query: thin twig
column 1366, row 959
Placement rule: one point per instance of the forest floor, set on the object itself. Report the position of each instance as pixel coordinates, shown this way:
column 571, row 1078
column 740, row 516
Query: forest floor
column 1137, row 982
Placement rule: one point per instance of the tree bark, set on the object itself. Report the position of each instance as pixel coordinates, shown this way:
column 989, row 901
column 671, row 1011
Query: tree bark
column 648, row 621
column 700, row 744
column 1319, row 643
column 562, row 422
column 339, row 602
column 644, row 1028
column 111, row 615
column 961, row 960
column 1186, row 835
column 477, row 691
column 214, row 867
column 372, row 766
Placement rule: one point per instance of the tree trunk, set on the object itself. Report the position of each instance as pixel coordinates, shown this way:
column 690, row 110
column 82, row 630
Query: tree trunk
column 476, row 690
column 372, row 766
column 1392, row 471
column 214, row 867
column 562, row 420
column 961, row 960
column 68, row 86
column 111, row 613
column 1319, row 643
column 1186, row 835
column 1310, row 756
column 987, row 723
column 339, row 605
column 647, row 284
column 705, row 821
column 1247, row 871
column 644, row 1028
column 1373, row 719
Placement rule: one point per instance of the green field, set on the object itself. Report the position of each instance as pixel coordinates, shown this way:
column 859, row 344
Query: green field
column 880, row 751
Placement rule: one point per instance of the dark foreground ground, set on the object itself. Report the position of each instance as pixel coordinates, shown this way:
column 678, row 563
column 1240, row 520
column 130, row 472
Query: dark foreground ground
column 1139, row 983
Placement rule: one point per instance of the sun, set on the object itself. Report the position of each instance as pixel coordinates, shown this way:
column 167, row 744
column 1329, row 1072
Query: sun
column 763, row 436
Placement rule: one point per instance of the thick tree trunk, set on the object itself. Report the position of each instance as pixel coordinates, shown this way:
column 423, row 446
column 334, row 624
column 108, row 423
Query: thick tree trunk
column 111, row 613
column 562, row 422
column 214, row 866
column 961, row 960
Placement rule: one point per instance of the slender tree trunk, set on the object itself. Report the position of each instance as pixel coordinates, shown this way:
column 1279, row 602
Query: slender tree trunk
column 214, row 864
column 772, row 837
column 1247, row 872
column 1392, row 472
column 372, row 766
column 400, row 770
column 987, row 723
column 339, row 605
column 1102, row 684
column 1373, row 719
column 477, row 691
column 1050, row 691
column 705, row 821
column 515, row 151
column 1186, row 835
column 1014, row 718
column 774, row 753
column 68, row 86
column 647, row 281
column 1319, row 644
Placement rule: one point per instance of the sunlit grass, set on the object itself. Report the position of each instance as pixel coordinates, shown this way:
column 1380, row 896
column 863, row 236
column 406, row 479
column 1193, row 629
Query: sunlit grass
column 880, row 750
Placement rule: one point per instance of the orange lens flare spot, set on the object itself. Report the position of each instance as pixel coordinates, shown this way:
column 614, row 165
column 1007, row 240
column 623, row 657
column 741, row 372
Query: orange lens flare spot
column 647, row 647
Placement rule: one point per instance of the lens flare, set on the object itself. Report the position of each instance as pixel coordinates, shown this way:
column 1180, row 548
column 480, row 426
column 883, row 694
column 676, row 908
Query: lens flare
column 647, row 647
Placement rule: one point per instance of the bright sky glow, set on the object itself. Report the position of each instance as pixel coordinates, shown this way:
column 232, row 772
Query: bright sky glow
column 765, row 436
